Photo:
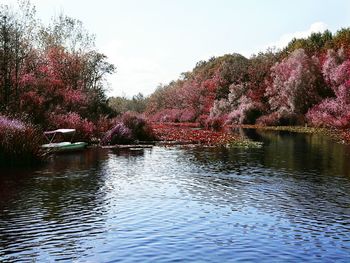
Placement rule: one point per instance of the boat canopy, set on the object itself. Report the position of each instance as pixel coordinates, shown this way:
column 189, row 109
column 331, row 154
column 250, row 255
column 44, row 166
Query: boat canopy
column 60, row 131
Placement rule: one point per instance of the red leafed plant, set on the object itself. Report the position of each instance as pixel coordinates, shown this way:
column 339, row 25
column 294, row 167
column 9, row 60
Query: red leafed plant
column 19, row 142
column 84, row 128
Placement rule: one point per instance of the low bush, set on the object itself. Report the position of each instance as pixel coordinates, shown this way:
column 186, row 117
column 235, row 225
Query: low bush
column 119, row 134
column 330, row 113
column 20, row 142
column 130, row 128
column 202, row 120
column 140, row 128
column 271, row 119
column 84, row 128
column 215, row 123
column 281, row 119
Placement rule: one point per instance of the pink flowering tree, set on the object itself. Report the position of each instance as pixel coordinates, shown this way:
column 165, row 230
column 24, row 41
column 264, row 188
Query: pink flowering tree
column 297, row 85
column 239, row 107
column 334, row 112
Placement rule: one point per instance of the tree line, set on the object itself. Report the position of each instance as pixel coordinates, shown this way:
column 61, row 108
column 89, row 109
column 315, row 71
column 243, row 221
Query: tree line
column 53, row 74
column 307, row 82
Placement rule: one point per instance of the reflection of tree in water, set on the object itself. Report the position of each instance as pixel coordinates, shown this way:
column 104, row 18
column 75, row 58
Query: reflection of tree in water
column 305, row 153
column 283, row 151
column 303, row 178
column 56, row 206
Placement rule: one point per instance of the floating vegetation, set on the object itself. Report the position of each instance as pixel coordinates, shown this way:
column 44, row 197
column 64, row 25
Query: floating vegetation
column 245, row 144
column 181, row 135
column 297, row 129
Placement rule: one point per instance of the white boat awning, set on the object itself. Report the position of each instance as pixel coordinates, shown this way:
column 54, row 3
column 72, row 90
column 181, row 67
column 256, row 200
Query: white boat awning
column 60, row 131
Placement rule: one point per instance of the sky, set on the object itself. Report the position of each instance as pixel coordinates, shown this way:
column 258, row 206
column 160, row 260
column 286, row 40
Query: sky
column 154, row 41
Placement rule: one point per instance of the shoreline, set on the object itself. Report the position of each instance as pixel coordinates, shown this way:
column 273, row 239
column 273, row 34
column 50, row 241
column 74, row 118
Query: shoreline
column 338, row 135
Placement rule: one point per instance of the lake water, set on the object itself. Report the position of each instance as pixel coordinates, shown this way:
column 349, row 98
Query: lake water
column 286, row 202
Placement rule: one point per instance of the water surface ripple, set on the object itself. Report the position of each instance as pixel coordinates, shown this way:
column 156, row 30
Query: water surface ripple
column 286, row 202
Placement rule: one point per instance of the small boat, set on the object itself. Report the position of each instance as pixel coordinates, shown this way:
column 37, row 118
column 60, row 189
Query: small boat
column 62, row 146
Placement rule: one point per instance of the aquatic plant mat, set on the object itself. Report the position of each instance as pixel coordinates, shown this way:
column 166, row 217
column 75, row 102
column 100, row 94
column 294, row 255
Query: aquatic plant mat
column 175, row 134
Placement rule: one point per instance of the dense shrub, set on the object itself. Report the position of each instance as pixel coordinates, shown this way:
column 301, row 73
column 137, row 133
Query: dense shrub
column 119, row 134
column 102, row 125
column 202, row 120
column 247, row 111
column 334, row 112
column 130, row 128
column 281, row 118
column 166, row 115
column 215, row 123
column 330, row 113
column 187, row 115
column 140, row 128
column 84, row 128
column 19, row 142
column 271, row 119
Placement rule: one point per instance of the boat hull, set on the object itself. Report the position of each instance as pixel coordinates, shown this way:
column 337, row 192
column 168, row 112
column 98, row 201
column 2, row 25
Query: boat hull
column 65, row 147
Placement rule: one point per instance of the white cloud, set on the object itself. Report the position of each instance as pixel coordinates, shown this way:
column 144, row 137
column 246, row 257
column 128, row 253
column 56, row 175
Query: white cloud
column 286, row 38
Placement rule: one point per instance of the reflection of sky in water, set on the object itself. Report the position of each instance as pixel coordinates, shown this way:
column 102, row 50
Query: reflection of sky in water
column 288, row 201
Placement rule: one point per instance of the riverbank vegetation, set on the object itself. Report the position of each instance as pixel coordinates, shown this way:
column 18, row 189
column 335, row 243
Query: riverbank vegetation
column 306, row 83
column 19, row 142
column 129, row 128
column 53, row 74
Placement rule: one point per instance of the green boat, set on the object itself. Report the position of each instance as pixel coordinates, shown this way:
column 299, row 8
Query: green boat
column 62, row 146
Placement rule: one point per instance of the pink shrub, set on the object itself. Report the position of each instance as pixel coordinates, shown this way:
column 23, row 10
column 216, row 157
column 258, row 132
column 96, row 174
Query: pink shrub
column 19, row 142
column 103, row 124
column 130, row 128
column 139, row 126
column 187, row 115
column 84, row 128
column 330, row 113
column 119, row 134
column 271, row 119
column 74, row 97
column 246, row 113
column 167, row 115
column 282, row 117
column 334, row 112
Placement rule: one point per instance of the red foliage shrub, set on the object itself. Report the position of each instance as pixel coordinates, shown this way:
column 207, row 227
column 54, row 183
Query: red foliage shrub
column 271, row 119
column 140, row 128
column 166, row 115
column 202, row 120
column 84, row 128
column 19, row 142
column 215, row 123
column 103, row 124
column 174, row 115
column 187, row 115
column 130, row 128
column 119, row 134
column 330, row 113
